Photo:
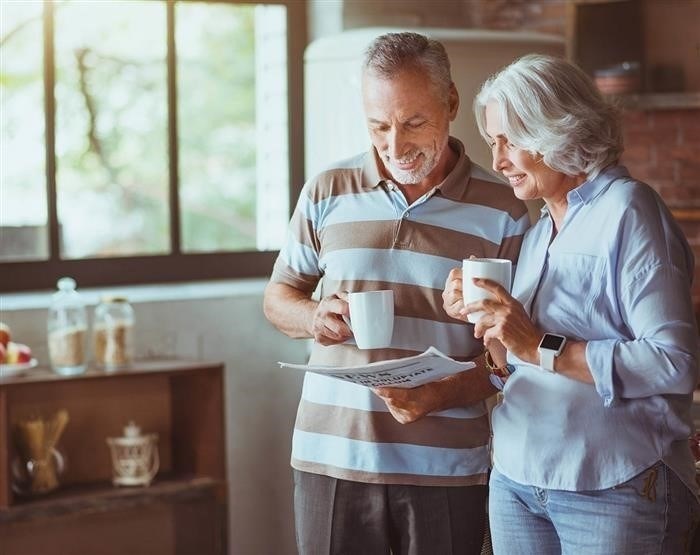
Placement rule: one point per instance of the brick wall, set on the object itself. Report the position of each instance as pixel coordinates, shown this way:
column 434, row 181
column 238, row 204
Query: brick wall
column 662, row 148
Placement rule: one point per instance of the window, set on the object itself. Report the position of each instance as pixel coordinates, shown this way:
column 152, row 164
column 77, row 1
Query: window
column 147, row 140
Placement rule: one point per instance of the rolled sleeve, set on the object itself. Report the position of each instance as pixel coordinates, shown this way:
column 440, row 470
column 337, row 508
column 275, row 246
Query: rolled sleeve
column 600, row 356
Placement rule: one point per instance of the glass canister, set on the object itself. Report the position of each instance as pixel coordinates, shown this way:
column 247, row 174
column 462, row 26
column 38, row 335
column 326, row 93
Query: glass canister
column 113, row 333
column 67, row 328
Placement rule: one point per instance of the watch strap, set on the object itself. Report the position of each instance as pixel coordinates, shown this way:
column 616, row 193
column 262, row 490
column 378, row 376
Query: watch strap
column 547, row 360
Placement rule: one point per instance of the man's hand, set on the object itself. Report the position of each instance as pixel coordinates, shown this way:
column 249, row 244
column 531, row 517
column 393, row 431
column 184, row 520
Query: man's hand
column 294, row 313
column 408, row 405
column 460, row 390
column 327, row 324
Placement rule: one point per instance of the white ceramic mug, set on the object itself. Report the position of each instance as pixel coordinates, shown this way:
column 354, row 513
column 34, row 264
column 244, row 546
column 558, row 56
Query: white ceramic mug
column 372, row 318
column 495, row 269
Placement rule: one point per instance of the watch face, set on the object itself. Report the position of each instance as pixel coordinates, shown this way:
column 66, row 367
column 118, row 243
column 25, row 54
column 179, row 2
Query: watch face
column 551, row 342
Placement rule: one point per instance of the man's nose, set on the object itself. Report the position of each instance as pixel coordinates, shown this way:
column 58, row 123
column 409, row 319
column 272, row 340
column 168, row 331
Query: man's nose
column 396, row 143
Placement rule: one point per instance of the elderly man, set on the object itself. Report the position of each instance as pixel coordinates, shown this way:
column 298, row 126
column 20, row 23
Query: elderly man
column 400, row 471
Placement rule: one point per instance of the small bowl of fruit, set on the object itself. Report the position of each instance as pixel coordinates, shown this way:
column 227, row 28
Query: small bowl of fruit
column 15, row 357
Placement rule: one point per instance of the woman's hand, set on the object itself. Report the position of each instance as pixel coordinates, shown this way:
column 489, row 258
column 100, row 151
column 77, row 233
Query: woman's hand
column 505, row 320
column 452, row 296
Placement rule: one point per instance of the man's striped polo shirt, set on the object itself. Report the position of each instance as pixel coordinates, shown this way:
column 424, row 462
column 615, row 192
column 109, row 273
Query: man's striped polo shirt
column 354, row 231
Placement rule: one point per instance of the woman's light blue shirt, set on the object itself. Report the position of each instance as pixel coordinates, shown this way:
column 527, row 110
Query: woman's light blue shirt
column 618, row 276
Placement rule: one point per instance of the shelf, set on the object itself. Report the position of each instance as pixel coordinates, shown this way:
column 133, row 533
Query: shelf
column 182, row 511
column 43, row 373
column 104, row 497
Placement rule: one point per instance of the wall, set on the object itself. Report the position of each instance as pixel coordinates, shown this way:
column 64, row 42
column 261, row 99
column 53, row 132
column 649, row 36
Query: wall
column 222, row 323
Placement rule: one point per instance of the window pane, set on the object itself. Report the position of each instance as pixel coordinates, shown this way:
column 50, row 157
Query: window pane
column 111, row 128
column 23, row 212
column 232, row 126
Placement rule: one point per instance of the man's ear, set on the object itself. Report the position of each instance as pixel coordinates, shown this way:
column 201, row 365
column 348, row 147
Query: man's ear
column 453, row 101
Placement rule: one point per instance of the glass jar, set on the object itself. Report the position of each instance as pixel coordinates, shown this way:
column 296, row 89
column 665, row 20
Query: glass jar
column 37, row 476
column 113, row 331
column 67, row 327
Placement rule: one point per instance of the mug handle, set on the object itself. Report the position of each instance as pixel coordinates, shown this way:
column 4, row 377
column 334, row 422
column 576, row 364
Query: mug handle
column 155, row 464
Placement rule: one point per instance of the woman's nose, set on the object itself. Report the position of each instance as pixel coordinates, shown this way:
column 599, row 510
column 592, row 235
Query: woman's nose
column 500, row 160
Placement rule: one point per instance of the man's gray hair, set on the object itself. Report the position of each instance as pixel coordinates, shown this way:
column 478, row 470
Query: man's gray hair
column 551, row 107
column 392, row 53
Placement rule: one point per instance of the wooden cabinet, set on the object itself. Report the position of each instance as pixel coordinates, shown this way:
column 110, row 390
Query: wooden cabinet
column 183, row 511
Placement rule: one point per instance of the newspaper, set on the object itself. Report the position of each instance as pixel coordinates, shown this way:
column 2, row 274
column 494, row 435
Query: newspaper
column 406, row 372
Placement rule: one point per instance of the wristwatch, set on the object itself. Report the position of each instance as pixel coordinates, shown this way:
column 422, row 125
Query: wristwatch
column 551, row 345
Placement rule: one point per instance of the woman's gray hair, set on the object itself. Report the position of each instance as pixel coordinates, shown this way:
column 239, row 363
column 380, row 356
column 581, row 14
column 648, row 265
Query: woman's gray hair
column 392, row 53
column 551, row 107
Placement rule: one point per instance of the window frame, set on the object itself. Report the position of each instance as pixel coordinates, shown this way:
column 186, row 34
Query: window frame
column 176, row 265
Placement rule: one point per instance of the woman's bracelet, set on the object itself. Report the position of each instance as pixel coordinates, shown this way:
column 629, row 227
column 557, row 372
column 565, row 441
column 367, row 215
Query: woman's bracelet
column 502, row 372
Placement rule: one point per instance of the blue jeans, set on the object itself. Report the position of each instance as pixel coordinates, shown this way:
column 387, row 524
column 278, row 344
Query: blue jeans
column 653, row 513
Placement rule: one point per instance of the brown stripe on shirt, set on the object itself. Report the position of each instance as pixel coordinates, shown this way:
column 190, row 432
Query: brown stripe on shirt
column 510, row 247
column 341, row 181
column 482, row 192
column 281, row 273
column 382, row 427
column 303, row 231
column 414, row 236
column 429, row 239
column 416, row 301
column 373, row 234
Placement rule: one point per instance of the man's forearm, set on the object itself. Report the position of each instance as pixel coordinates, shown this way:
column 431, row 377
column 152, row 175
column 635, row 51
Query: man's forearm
column 289, row 310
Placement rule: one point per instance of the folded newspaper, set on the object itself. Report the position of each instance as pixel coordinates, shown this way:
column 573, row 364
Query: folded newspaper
column 406, row 372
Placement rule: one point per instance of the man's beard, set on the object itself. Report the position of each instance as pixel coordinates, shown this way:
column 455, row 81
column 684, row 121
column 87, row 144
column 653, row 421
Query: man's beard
column 413, row 177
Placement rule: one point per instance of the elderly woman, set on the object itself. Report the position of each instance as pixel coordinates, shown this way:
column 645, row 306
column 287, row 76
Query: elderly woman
column 590, row 445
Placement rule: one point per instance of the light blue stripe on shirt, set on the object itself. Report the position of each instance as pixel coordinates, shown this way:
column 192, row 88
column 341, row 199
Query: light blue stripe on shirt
column 375, row 205
column 395, row 266
column 299, row 257
column 389, row 458
column 324, row 390
column 473, row 219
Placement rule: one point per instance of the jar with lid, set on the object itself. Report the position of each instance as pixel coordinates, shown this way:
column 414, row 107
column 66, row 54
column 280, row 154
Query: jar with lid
column 67, row 328
column 113, row 330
